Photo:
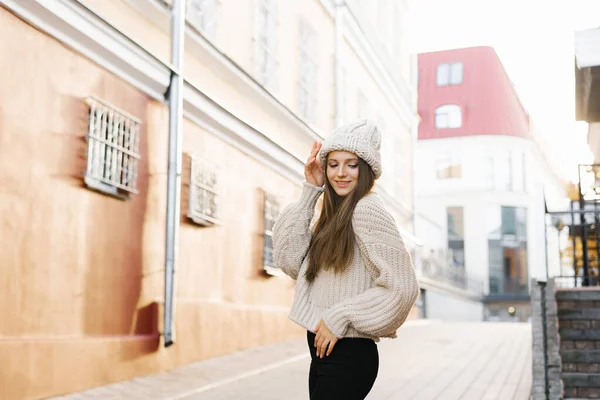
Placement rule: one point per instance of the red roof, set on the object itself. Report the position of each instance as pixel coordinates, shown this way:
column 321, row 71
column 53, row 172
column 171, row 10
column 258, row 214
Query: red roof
column 488, row 101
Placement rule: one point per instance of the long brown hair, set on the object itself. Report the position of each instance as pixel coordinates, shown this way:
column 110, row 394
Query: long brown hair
column 332, row 243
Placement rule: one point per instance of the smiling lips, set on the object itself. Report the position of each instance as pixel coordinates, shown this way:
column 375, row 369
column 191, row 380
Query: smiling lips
column 342, row 184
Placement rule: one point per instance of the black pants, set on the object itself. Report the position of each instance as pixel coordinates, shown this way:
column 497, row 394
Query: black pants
column 348, row 373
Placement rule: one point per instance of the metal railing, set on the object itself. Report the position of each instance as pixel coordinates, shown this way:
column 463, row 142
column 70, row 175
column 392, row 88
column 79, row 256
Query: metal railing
column 451, row 276
column 578, row 260
column 501, row 285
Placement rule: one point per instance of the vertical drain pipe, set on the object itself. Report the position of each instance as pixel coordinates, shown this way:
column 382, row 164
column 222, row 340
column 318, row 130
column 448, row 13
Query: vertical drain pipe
column 175, row 100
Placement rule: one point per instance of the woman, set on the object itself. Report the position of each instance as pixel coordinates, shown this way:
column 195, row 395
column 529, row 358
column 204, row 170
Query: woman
column 355, row 282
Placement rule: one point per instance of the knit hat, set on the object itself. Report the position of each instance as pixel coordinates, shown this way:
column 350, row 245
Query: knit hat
column 362, row 138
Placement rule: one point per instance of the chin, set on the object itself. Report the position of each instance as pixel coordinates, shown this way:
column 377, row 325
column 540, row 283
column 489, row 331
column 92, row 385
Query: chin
column 343, row 192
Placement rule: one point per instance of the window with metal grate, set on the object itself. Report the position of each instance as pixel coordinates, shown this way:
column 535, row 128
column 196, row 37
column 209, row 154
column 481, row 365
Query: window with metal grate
column 113, row 141
column 204, row 197
column 271, row 212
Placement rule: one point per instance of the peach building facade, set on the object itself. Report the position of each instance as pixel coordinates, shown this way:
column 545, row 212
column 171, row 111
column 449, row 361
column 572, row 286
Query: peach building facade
column 83, row 172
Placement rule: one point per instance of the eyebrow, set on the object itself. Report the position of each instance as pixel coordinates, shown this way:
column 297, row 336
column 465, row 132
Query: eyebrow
column 347, row 159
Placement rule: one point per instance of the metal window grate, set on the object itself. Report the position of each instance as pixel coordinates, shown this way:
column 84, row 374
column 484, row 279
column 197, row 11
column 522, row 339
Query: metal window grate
column 205, row 198
column 113, row 141
column 271, row 212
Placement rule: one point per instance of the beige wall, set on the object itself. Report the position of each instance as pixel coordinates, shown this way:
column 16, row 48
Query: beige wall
column 81, row 283
column 82, row 273
column 235, row 38
column 235, row 33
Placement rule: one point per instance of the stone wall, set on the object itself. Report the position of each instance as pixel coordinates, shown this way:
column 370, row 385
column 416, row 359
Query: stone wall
column 545, row 367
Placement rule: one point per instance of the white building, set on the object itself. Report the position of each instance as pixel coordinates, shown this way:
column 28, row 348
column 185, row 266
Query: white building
column 482, row 184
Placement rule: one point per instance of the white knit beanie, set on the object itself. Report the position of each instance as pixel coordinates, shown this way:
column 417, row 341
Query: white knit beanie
column 362, row 138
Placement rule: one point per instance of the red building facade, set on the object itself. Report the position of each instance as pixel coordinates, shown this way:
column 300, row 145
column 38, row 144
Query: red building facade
column 466, row 92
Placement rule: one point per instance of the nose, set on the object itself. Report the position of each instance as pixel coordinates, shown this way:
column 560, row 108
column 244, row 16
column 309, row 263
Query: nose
column 341, row 171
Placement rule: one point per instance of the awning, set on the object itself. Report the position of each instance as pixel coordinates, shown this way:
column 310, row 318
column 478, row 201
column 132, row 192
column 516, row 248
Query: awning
column 587, row 48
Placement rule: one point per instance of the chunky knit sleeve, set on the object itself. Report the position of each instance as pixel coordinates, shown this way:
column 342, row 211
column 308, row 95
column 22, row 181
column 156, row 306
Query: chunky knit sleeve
column 381, row 310
column 292, row 234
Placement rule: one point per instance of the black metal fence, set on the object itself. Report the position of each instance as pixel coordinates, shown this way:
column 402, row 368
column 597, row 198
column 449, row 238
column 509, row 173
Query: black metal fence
column 578, row 256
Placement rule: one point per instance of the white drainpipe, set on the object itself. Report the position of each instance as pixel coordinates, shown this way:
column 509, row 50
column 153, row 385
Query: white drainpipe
column 175, row 99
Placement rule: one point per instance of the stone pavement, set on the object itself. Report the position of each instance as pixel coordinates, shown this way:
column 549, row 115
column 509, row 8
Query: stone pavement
column 428, row 360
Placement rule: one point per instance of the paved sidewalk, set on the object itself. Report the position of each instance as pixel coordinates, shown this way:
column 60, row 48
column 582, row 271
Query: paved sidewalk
column 428, row 360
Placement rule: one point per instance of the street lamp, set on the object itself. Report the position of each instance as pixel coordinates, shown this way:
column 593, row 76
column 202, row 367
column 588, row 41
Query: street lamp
column 559, row 225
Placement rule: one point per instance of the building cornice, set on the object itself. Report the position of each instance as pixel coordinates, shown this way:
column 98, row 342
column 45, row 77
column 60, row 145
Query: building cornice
column 79, row 28
column 74, row 25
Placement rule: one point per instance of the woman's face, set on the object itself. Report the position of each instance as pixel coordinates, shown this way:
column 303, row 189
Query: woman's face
column 342, row 171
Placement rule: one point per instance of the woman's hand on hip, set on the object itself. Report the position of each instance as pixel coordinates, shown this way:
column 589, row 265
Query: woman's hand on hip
column 313, row 172
column 324, row 340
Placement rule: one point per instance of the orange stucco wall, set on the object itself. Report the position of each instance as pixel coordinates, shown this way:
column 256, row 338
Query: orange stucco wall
column 81, row 273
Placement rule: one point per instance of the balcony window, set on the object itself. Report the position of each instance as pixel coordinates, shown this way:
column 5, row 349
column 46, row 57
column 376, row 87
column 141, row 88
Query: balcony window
column 448, row 116
column 113, row 150
column 450, row 74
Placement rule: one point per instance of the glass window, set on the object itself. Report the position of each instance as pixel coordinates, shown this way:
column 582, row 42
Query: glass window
column 456, row 236
column 448, row 116
column 450, row 74
column 509, row 221
column 507, row 250
column 493, row 222
column 487, row 173
column 202, row 15
column 503, row 174
column 448, row 166
column 270, row 214
column 362, row 105
column 266, row 43
column 521, row 223
column 443, row 75
column 204, row 195
column 113, row 149
column 524, row 174
column 308, row 72
column 519, row 175
column 495, row 266
column 455, row 223
column 456, row 73
column 344, row 90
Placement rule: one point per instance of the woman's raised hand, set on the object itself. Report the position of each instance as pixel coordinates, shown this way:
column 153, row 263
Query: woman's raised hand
column 313, row 173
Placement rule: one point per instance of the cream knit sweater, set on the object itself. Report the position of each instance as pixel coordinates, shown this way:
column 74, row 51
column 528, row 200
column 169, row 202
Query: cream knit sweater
column 374, row 295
